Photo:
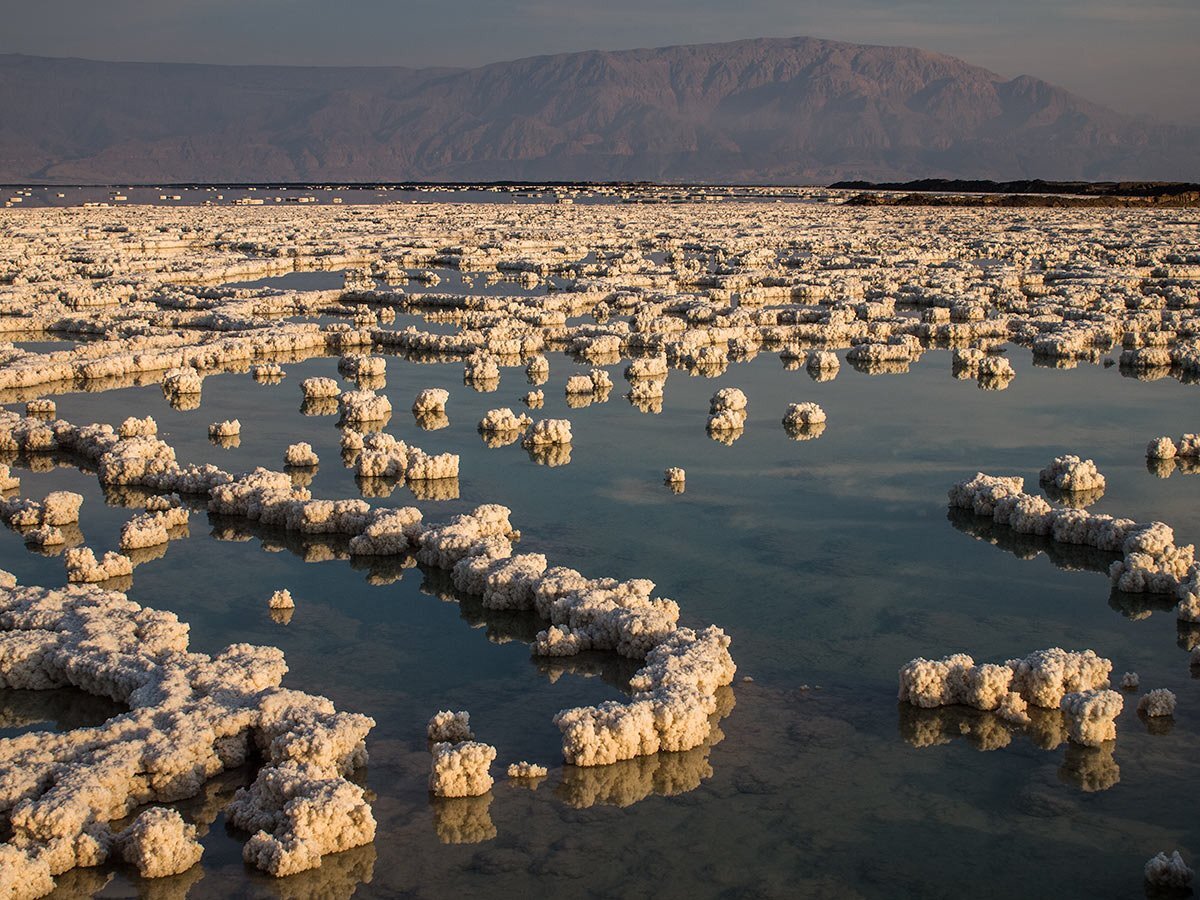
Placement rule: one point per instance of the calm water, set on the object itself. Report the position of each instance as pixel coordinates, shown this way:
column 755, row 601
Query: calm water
column 831, row 562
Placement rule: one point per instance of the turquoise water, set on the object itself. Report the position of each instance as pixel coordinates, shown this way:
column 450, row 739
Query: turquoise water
column 831, row 562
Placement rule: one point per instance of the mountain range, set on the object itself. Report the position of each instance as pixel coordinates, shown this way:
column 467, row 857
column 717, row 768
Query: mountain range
column 792, row 110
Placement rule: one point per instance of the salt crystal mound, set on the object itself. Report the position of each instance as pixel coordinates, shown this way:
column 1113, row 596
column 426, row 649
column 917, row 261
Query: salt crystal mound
column 1168, row 872
column 300, row 455
column 1151, row 563
column 1072, row 474
column 461, row 770
column 447, row 726
column 1159, row 702
column 527, row 770
column 191, row 716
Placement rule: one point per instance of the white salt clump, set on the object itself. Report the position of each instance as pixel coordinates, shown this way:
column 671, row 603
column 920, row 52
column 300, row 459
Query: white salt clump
column 1130, row 681
column 300, row 455
column 653, row 368
column 320, row 388
column 1070, row 473
column 1169, row 872
column 799, row 415
column 43, row 408
column 481, row 367
column 430, row 401
column 526, row 770
column 1041, row 679
column 82, row 565
column 1091, row 716
column 549, row 431
column 159, row 843
column 461, row 770
column 596, row 381
column 153, row 527
column 364, row 406
column 266, row 371
column 537, row 370
column 182, row 380
column 1161, row 448
column 426, row 467
column 822, row 361
column 8, row 481
column 534, row 399
column 674, row 475
column 226, row 429
column 362, row 366
column 1155, row 703
column 503, row 420
column 451, row 727
column 134, row 427
column 281, row 599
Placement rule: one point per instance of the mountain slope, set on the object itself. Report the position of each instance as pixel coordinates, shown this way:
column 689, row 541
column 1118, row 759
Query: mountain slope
column 782, row 110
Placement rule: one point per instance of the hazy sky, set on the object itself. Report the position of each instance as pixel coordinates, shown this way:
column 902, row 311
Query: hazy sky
column 1138, row 56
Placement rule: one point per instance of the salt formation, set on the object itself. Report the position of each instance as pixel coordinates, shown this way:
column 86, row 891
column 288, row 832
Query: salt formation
column 300, row 455
column 159, row 843
column 1155, row 703
column 1130, row 681
column 1169, row 872
column 181, row 380
column 1091, row 716
column 595, row 382
column 503, row 421
column 461, row 770
column 320, row 388
column 357, row 367
column 430, row 401
column 190, row 717
column 227, row 429
column 549, row 432
column 41, row 409
column 267, row 372
column 1152, row 562
column 534, row 399
column 82, row 565
column 537, row 370
column 1070, row 473
column 281, row 599
column 1161, row 448
column 451, row 727
column 802, row 415
column 526, row 770
column 727, row 412
column 359, row 407
column 1041, row 679
column 674, row 476
column 153, row 527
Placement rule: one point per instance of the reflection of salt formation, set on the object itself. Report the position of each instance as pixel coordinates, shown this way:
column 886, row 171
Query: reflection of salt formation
column 1168, row 872
column 191, row 716
column 463, row 820
column 319, row 406
column 1091, row 769
column 66, row 708
column 1151, row 563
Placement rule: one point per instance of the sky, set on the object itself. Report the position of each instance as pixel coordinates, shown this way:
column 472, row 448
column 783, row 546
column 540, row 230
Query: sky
column 1137, row 56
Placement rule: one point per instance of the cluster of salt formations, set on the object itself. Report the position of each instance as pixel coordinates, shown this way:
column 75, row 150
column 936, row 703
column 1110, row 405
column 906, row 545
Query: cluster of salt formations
column 502, row 426
column 804, row 421
column 1152, row 563
column 549, row 432
column 190, row 717
column 1048, row 679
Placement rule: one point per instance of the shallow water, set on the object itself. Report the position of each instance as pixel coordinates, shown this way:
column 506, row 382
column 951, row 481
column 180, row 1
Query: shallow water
column 831, row 562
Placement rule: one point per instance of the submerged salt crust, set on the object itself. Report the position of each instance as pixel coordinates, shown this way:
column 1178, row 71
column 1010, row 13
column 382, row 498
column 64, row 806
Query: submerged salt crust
column 686, row 322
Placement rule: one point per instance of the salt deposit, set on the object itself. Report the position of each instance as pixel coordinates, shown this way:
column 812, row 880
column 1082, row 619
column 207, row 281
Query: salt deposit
column 1158, row 702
